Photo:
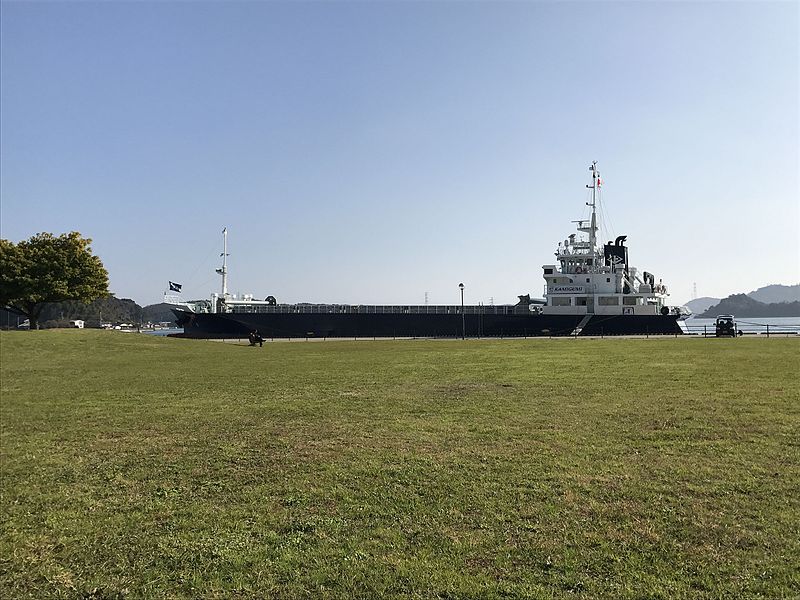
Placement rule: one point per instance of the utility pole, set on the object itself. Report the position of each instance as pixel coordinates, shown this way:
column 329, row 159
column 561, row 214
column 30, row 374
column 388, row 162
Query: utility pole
column 463, row 318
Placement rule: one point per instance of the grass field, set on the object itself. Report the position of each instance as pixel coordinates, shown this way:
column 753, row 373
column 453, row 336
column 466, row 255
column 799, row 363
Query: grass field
column 136, row 466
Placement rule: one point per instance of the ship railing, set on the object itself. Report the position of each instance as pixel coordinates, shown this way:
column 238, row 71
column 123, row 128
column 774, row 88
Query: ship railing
column 379, row 309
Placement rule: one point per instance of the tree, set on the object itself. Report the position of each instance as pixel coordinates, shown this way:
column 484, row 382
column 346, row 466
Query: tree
column 49, row 268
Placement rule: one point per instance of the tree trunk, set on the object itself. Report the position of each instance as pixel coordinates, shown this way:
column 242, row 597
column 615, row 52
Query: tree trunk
column 32, row 311
column 34, row 316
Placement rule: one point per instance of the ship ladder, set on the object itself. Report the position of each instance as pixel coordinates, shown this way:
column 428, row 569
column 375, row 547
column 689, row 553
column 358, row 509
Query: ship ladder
column 577, row 331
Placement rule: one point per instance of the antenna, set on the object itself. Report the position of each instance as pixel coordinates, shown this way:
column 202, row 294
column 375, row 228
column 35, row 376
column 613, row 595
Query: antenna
column 694, row 291
column 426, row 298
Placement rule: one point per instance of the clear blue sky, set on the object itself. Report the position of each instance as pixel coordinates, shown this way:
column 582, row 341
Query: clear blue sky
column 370, row 152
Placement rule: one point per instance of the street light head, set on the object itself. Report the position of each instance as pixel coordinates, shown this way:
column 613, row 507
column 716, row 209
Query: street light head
column 461, row 286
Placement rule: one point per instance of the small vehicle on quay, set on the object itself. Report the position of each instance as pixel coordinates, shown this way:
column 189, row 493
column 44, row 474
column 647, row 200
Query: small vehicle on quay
column 725, row 326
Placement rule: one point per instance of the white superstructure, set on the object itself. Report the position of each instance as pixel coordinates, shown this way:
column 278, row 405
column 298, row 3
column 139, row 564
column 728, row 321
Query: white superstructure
column 597, row 280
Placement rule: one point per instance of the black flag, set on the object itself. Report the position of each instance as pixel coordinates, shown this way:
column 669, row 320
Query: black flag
column 175, row 287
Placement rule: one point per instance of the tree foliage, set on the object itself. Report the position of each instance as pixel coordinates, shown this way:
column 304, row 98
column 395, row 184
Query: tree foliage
column 48, row 268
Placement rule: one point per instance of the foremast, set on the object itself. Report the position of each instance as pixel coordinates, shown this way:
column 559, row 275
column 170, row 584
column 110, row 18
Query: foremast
column 224, row 270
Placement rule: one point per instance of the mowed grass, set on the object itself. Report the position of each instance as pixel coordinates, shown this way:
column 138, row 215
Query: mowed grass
column 143, row 467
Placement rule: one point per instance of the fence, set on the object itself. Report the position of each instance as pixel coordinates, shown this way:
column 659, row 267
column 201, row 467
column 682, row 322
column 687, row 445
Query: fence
column 746, row 328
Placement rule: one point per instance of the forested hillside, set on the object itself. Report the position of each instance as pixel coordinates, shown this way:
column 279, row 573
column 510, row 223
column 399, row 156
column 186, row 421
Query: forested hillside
column 105, row 310
column 743, row 305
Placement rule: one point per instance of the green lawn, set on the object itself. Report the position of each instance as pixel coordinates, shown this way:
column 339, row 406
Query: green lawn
column 135, row 466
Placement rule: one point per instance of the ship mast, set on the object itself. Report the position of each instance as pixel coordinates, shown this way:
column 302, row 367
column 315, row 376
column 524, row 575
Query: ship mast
column 224, row 270
column 596, row 183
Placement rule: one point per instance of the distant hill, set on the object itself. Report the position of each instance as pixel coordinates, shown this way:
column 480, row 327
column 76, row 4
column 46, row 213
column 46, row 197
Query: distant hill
column 777, row 293
column 743, row 305
column 699, row 305
column 769, row 294
column 106, row 310
column 158, row 313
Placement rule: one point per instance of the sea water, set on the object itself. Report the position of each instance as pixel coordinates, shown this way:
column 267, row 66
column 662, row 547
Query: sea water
column 163, row 331
column 749, row 325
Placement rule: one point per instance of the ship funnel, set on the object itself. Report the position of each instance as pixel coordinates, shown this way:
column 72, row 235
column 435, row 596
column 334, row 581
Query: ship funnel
column 620, row 241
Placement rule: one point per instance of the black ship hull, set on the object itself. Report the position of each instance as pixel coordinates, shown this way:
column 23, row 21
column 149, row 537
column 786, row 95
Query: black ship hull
column 325, row 325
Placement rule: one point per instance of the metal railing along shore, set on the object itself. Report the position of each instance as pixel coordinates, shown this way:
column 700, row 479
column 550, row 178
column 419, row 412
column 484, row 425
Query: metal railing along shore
column 746, row 328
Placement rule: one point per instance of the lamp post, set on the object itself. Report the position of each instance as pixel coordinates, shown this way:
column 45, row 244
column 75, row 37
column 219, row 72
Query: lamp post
column 463, row 321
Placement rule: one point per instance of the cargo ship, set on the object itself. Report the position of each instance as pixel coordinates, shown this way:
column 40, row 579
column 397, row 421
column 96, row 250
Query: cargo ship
column 590, row 289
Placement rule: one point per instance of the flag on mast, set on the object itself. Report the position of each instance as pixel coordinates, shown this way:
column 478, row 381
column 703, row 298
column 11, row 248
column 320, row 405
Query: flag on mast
column 175, row 287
